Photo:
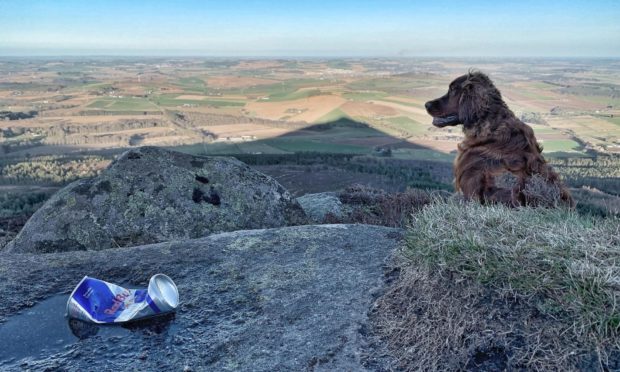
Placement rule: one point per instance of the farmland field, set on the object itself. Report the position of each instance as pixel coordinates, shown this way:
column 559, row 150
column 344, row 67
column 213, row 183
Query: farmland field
column 573, row 105
column 64, row 119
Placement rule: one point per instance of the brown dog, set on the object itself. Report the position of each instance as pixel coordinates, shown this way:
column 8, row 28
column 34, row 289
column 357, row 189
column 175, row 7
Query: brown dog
column 497, row 146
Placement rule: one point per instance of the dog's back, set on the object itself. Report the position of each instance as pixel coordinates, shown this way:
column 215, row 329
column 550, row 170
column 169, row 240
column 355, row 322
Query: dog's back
column 507, row 160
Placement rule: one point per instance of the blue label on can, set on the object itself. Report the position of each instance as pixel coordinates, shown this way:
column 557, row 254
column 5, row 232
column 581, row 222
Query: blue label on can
column 98, row 299
column 103, row 302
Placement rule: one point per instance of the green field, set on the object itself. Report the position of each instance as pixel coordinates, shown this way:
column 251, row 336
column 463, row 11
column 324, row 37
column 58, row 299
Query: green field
column 279, row 145
column 364, row 96
column 192, row 84
column 277, row 90
column 422, row 154
column 171, row 100
column 601, row 100
column 262, row 147
column 123, row 104
column 536, row 95
column 614, row 120
column 293, row 95
column 292, row 144
column 264, row 90
column 560, row 146
column 223, row 103
column 408, row 125
column 96, row 86
column 410, row 104
column 540, row 129
column 131, row 104
column 338, row 64
column 100, row 104
column 391, row 85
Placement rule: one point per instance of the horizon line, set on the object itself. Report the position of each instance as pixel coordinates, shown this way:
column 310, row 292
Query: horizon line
column 344, row 56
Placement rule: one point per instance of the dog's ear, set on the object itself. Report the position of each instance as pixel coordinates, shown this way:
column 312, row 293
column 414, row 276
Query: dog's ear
column 473, row 103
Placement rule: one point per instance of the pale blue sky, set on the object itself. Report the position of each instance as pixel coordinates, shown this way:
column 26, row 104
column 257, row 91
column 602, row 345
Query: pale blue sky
column 311, row 28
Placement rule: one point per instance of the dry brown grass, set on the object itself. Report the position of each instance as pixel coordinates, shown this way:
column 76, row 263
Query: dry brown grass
column 493, row 288
column 376, row 207
column 436, row 321
column 537, row 191
column 593, row 201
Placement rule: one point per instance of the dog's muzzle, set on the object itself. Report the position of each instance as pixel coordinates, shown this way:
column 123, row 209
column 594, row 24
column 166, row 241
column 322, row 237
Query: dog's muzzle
column 444, row 121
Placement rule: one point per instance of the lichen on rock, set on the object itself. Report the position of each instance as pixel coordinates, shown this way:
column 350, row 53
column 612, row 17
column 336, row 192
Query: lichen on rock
column 150, row 195
column 318, row 206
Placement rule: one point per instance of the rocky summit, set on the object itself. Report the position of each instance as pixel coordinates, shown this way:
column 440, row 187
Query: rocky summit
column 292, row 298
column 151, row 195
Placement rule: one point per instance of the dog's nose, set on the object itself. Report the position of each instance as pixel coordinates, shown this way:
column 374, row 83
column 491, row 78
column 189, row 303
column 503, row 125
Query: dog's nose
column 428, row 105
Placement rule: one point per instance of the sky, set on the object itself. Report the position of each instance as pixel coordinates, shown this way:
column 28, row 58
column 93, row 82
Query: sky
column 294, row 28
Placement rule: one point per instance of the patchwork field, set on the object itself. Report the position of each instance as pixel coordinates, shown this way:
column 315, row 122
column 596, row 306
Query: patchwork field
column 76, row 105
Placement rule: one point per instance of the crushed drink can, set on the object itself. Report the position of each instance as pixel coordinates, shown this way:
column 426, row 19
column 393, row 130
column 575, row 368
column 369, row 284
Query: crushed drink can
column 94, row 300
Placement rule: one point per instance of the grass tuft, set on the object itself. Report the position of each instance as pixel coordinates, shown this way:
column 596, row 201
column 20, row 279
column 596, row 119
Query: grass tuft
column 570, row 261
column 540, row 285
column 372, row 206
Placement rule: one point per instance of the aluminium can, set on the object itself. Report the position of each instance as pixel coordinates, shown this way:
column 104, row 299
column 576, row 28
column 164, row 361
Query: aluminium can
column 97, row 301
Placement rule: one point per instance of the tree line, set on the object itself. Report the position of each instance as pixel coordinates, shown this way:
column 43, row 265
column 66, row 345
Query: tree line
column 50, row 170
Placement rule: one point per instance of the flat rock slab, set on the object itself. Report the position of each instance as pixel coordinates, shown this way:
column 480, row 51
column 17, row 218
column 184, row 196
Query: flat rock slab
column 291, row 298
column 150, row 195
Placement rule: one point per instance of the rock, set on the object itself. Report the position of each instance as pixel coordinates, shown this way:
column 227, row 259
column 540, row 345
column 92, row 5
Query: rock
column 6, row 237
column 318, row 206
column 150, row 195
column 292, row 298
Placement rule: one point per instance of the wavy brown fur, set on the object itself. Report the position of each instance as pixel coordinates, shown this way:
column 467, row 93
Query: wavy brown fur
column 496, row 142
